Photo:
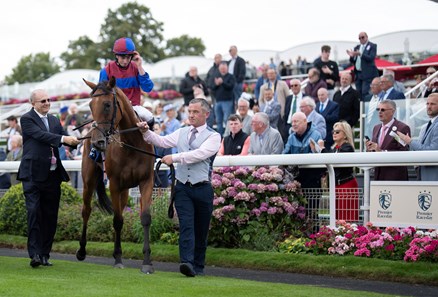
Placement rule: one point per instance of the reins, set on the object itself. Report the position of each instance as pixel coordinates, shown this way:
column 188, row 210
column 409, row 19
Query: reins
column 110, row 136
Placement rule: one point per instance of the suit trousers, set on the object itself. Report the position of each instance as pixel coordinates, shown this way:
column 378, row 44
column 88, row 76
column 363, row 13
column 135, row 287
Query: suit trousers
column 42, row 204
column 362, row 85
column 194, row 206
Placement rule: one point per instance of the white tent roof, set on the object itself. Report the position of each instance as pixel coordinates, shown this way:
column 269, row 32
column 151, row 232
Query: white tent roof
column 69, row 82
column 177, row 67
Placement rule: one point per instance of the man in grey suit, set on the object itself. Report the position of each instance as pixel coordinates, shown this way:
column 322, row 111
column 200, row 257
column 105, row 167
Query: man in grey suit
column 307, row 106
column 428, row 139
column 265, row 140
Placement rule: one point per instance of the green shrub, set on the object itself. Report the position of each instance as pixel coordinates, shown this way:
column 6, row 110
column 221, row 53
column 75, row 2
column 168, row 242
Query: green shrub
column 13, row 216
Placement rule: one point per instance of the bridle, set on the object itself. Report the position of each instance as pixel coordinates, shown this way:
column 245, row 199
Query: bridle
column 109, row 137
column 112, row 130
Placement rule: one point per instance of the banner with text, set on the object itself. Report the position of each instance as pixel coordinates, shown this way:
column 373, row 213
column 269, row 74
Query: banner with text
column 402, row 204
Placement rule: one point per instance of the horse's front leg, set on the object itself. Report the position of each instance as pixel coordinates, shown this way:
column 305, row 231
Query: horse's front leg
column 81, row 253
column 118, row 205
column 146, row 220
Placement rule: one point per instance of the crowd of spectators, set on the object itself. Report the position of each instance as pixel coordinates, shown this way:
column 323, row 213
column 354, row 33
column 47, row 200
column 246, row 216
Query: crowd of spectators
column 281, row 115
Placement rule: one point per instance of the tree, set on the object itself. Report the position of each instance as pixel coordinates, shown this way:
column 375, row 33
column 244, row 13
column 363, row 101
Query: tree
column 185, row 46
column 33, row 68
column 82, row 53
column 136, row 22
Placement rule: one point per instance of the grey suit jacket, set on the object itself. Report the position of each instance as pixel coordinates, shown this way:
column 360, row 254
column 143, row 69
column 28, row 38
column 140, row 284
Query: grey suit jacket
column 273, row 112
column 318, row 122
column 281, row 92
column 272, row 143
column 427, row 142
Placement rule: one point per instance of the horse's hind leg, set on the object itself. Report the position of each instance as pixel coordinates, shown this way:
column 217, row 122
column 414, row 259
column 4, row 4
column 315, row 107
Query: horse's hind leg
column 146, row 219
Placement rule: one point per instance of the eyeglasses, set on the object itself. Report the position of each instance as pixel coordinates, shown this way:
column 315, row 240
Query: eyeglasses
column 383, row 109
column 336, row 131
column 43, row 101
column 244, row 106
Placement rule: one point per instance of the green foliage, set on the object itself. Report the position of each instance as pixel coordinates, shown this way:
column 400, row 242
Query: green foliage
column 169, row 238
column 13, row 218
column 293, row 245
column 82, row 53
column 185, row 46
column 135, row 21
column 258, row 237
column 33, row 68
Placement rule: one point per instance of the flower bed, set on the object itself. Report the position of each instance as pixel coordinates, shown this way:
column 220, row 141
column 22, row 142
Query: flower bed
column 254, row 206
column 390, row 243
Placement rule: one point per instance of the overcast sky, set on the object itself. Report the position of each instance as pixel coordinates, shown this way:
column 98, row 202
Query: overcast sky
column 32, row 26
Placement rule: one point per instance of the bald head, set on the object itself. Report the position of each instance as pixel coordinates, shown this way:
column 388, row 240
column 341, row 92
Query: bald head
column 299, row 123
column 322, row 95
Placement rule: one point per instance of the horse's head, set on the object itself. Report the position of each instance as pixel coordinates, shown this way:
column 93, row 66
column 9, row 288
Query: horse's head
column 105, row 110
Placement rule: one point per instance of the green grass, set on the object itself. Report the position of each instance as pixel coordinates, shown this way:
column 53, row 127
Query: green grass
column 341, row 266
column 70, row 279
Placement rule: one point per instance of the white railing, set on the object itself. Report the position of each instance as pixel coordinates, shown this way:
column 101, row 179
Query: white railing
column 364, row 161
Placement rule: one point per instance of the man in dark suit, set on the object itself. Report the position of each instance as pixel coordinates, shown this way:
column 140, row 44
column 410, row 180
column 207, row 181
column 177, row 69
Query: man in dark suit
column 348, row 100
column 41, row 172
column 362, row 57
column 237, row 67
column 383, row 140
column 292, row 105
column 330, row 111
column 389, row 92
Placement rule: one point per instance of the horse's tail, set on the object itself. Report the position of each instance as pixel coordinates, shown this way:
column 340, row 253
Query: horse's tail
column 103, row 202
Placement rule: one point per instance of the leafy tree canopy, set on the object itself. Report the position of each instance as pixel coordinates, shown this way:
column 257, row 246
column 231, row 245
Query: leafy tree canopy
column 33, row 68
column 136, row 22
column 185, row 46
column 81, row 53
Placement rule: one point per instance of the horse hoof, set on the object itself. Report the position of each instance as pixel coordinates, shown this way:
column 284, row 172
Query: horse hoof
column 119, row 265
column 147, row 269
column 81, row 255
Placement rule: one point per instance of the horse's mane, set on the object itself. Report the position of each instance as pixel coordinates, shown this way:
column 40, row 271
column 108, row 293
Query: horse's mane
column 103, row 86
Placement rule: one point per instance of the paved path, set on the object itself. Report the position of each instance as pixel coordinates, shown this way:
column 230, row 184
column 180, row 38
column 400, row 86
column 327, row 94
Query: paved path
column 398, row 289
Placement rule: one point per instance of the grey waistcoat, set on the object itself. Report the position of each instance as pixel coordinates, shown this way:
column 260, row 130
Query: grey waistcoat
column 196, row 172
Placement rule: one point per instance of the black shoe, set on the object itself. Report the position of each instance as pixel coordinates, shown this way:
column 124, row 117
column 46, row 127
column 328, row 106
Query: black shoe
column 45, row 261
column 187, row 269
column 35, row 262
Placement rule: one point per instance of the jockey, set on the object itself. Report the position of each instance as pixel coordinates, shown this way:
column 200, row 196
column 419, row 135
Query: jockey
column 130, row 76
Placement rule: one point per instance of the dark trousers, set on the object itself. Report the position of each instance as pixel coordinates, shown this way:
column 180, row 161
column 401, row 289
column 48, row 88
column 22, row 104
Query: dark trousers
column 362, row 85
column 42, row 204
column 194, row 206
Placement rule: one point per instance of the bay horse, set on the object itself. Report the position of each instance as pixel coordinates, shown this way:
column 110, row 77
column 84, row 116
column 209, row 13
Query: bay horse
column 125, row 168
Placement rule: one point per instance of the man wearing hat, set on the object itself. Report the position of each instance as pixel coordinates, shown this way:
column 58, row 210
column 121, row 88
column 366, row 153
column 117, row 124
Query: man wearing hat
column 63, row 112
column 130, row 76
column 170, row 124
column 13, row 129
